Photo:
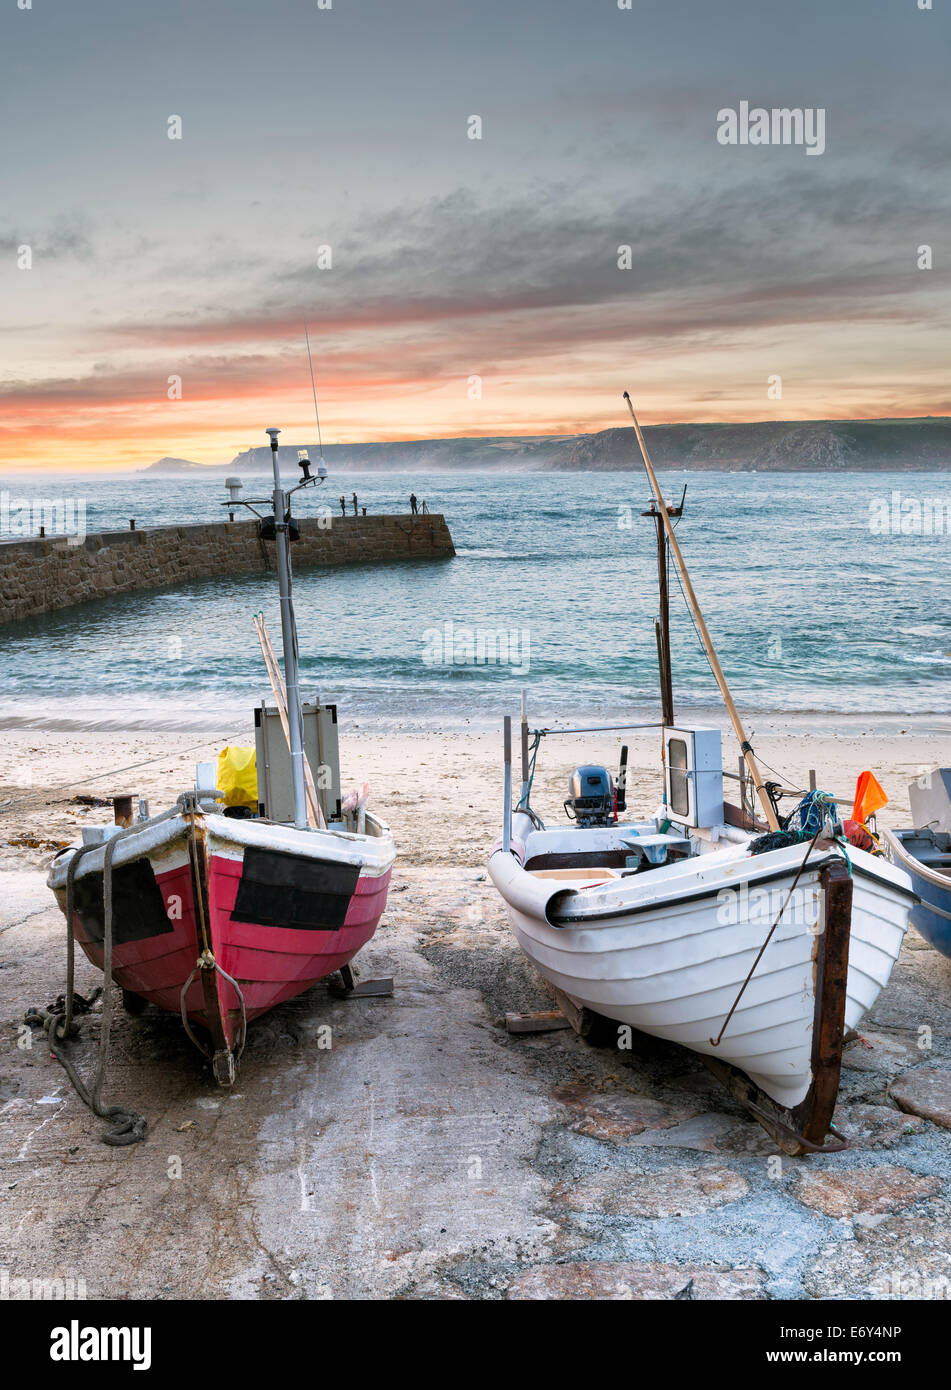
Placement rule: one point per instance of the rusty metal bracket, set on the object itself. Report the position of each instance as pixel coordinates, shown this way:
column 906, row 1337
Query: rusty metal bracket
column 347, row 987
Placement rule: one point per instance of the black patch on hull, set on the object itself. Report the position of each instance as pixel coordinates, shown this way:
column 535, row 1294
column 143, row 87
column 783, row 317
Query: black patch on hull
column 286, row 890
column 138, row 908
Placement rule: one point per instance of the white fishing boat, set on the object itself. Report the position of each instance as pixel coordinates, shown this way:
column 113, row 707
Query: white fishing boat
column 755, row 950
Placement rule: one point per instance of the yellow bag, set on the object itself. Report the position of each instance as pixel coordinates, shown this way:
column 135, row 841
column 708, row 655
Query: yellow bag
column 238, row 777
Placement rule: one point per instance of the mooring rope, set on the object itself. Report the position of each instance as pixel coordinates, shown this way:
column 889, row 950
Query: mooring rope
column 204, row 962
column 131, row 767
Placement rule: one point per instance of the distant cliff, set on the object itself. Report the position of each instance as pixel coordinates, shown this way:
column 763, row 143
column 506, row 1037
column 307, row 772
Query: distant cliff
column 173, row 465
column 816, row 445
column 766, row 445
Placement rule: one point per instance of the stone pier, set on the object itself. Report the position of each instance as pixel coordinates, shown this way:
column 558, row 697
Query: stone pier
column 38, row 576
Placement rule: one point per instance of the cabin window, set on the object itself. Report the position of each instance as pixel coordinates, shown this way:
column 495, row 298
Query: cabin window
column 677, row 776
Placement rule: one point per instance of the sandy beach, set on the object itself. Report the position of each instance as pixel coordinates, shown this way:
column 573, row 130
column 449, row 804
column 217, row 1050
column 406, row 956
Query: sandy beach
column 429, row 1153
column 440, row 791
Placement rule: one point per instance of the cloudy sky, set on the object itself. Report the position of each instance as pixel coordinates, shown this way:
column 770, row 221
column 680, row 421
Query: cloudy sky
column 454, row 258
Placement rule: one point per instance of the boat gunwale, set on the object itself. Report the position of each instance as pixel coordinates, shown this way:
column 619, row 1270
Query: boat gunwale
column 916, row 867
column 597, row 914
column 379, row 860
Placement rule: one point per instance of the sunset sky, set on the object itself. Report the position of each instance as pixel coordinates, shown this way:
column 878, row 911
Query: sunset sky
column 451, row 257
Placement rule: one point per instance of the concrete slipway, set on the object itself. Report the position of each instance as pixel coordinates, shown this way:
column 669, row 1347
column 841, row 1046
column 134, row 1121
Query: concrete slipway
column 427, row 1154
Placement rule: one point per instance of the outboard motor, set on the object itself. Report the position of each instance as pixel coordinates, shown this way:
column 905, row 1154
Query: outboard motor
column 590, row 798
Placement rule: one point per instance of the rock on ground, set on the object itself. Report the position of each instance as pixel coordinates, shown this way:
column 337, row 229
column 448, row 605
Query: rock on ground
column 583, row 1279
column 903, row 1257
column 680, row 1192
column 926, row 1092
column 847, row 1192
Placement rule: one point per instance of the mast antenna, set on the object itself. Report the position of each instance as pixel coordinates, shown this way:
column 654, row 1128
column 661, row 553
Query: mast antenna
column 313, row 384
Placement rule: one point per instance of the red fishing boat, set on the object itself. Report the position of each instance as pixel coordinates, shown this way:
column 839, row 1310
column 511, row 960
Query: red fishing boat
column 220, row 919
column 221, row 912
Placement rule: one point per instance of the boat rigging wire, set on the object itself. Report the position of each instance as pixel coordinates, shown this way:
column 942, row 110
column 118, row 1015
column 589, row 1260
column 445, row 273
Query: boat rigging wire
column 693, row 621
column 131, row 767
column 745, row 746
column 523, row 804
column 313, row 384
column 715, row 1042
column 787, row 790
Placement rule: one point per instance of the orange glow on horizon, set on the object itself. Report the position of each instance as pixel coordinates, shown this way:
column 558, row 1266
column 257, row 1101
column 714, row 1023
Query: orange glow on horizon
column 116, row 444
column 123, row 420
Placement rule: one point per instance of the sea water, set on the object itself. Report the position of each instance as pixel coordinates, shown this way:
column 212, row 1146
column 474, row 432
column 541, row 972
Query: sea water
column 815, row 606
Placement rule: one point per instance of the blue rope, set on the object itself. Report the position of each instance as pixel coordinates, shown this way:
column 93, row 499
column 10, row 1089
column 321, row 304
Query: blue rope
column 815, row 811
column 811, row 814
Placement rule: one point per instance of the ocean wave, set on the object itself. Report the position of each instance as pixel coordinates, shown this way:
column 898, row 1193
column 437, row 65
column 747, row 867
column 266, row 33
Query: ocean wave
column 926, row 658
column 549, row 558
column 464, row 554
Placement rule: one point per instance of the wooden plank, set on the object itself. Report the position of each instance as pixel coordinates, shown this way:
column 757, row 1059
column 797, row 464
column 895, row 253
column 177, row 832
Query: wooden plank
column 580, row 1018
column 345, row 986
column 814, row 1116
column 741, row 819
column 544, row 1021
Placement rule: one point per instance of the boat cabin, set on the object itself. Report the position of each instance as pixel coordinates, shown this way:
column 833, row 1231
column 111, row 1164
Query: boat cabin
column 599, row 845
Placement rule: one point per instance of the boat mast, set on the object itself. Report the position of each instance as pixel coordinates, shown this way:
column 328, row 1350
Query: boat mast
column 705, row 637
column 295, row 720
column 662, row 623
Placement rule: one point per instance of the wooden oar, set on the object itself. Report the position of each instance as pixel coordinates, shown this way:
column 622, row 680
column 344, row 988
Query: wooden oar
column 314, row 813
column 705, row 637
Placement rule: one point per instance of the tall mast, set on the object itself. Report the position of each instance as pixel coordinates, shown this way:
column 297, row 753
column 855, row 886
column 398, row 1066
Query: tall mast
column 662, row 624
column 295, row 721
column 705, row 637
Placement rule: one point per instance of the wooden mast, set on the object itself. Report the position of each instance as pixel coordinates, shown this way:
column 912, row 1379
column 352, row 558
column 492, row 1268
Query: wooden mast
column 705, row 637
column 662, row 623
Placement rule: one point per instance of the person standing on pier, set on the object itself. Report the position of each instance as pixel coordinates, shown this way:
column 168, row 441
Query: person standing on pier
column 343, row 506
column 355, row 504
column 412, row 503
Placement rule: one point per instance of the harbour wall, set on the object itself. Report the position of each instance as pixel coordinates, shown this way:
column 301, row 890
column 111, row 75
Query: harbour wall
column 41, row 575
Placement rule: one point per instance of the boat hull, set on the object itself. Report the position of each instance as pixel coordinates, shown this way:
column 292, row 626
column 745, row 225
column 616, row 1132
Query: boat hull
column 669, row 954
column 932, row 915
column 270, row 911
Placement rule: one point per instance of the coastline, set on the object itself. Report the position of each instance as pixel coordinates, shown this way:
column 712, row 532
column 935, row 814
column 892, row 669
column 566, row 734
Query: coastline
column 206, row 718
